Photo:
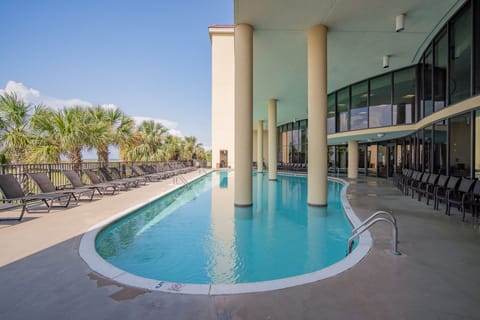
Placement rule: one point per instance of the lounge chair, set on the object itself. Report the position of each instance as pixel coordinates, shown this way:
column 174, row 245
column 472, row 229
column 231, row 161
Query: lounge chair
column 96, row 179
column 76, row 182
column 149, row 176
column 13, row 196
column 113, row 174
column 46, row 185
column 110, row 178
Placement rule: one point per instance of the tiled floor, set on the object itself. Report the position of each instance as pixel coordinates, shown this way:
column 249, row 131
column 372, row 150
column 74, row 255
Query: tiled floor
column 436, row 277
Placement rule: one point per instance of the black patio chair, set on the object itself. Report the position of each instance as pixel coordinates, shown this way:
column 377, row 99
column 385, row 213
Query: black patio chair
column 99, row 179
column 457, row 197
column 441, row 193
column 14, row 196
column 115, row 173
column 107, row 175
column 473, row 201
column 429, row 191
column 138, row 172
column 46, row 185
column 420, row 186
column 76, row 182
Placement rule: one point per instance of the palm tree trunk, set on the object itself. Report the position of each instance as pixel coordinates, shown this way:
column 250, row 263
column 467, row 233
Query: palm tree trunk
column 102, row 153
column 75, row 156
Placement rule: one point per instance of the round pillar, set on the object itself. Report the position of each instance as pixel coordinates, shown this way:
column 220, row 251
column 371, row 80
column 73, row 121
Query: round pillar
column 317, row 116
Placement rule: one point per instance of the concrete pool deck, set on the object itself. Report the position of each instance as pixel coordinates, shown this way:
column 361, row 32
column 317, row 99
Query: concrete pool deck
column 436, row 277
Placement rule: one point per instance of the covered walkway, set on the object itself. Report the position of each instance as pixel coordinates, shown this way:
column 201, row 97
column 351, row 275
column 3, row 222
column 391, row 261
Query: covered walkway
column 437, row 277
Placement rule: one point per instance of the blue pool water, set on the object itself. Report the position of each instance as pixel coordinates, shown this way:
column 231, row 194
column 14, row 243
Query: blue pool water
column 198, row 236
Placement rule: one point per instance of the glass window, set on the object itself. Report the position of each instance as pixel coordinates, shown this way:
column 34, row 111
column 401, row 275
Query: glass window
column 477, row 144
column 380, row 111
column 331, row 113
column 460, row 145
column 362, row 154
column 460, row 54
column 372, row 160
column 419, row 144
column 359, row 107
column 331, row 159
column 440, row 71
column 404, row 96
column 303, row 137
column 427, row 83
column 343, row 104
column 440, row 148
column 477, row 46
column 427, row 140
column 399, row 157
column 341, row 159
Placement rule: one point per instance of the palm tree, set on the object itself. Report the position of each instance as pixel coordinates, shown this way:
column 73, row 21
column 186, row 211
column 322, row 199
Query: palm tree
column 14, row 127
column 192, row 149
column 116, row 128
column 172, row 147
column 66, row 131
column 145, row 144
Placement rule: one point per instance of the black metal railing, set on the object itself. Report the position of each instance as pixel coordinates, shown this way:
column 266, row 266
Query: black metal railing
column 54, row 170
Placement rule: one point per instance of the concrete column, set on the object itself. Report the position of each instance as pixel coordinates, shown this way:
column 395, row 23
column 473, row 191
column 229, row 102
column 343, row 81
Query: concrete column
column 272, row 139
column 317, row 116
column 352, row 159
column 260, row 146
column 243, row 114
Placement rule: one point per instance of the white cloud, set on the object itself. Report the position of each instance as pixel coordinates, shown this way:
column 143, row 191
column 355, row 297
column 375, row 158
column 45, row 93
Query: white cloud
column 33, row 96
column 170, row 125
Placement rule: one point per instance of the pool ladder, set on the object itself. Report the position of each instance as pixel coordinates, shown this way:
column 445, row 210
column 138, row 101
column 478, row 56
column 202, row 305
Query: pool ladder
column 181, row 179
column 370, row 221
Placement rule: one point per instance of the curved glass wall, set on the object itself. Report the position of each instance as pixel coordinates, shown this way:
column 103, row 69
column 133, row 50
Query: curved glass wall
column 448, row 72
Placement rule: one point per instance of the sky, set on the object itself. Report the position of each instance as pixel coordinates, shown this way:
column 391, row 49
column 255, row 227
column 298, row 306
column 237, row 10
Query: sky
column 149, row 58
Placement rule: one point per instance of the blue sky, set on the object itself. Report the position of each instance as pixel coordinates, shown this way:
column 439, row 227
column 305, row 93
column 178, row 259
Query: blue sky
column 150, row 58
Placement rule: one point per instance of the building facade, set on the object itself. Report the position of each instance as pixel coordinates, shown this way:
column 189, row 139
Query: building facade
column 392, row 86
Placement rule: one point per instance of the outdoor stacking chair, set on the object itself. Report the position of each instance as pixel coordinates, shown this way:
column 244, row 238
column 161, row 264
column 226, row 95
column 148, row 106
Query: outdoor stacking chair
column 95, row 179
column 46, row 185
column 441, row 193
column 76, row 182
column 457, row 197
column 473, row 201
column 13, row 196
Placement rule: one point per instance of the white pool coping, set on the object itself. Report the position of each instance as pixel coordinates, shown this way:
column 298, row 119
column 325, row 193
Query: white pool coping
column 98, row 264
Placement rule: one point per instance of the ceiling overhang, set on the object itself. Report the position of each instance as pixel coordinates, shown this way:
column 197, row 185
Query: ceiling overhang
column 360, row 33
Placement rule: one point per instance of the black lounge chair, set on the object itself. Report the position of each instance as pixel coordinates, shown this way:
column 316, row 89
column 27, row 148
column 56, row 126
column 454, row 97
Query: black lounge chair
column 115, row 174
column 46, row 185
column 149, row 176
column 14, row 197
column 96, row 179
column 107, row 176
column 457, row 197
column 76, row 182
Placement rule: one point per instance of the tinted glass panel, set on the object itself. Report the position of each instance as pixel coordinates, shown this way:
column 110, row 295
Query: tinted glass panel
column 460, row 53
column 460, row 145
column 427, row 83
column 343, row 104
column 427, row 137
column 404, row 96
column 440, row 148
column 477, row 144
column 380, row 111
column 359, row 107
column 477, row 46
column 440, row 71
column 331, row 114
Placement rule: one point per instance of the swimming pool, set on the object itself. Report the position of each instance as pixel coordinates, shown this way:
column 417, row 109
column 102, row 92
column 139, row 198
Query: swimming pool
column 197, row 237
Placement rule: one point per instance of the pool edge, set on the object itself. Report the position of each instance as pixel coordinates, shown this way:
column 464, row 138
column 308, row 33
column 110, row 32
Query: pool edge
column 90, row 256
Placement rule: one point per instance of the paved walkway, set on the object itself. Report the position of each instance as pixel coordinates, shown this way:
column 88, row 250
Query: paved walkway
column 436, row 277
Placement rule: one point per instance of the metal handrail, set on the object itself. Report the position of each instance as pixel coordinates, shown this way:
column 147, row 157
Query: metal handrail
column 386, row 213
column 182, row 179
column 370, row 222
